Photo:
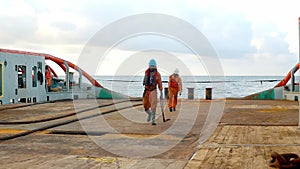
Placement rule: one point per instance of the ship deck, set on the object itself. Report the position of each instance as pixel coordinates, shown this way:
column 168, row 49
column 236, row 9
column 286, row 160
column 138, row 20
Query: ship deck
column 115, row 134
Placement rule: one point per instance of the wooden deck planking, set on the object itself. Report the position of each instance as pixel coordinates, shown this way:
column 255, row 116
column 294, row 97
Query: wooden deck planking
column 258, row 137
column 289, row 132
column 272, row 135
column 259, row 157
column 221, row 158
column 230, row 146
column 198, row 158
column 231, row 135
column 247, row 159
column 208, row 162
column 251, row 135
column 217, row 137
column 236, row 147
column 241, row 140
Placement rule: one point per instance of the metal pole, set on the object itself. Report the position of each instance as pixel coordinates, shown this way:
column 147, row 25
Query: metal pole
column 293, row 79
column 67, row 76
column 80, row 78
column 298, row 63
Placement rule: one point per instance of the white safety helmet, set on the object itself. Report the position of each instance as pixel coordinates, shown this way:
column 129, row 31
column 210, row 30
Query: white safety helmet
column 176, row 71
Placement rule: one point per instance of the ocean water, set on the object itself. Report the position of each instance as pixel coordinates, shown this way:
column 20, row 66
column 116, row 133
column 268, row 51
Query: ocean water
column 222, row 87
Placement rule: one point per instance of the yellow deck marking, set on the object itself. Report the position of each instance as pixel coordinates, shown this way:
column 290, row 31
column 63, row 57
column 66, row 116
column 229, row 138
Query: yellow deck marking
column 17, row 131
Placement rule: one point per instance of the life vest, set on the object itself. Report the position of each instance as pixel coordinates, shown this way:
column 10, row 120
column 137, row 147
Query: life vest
column 48, row 74
column 173, row 82
column 150, row 80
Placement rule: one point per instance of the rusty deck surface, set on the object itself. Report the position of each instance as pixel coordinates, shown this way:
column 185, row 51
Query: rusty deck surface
column 90, row 134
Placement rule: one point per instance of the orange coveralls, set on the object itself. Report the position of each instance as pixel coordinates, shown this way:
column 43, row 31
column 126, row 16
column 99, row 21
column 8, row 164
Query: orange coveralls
column 150, row 93
column 173, row 90
column 48, row 77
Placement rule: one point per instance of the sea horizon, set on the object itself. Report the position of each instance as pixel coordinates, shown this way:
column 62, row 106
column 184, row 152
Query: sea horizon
column 222, row 86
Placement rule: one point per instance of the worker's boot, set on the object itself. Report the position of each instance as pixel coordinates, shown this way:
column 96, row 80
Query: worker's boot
column 153, row 118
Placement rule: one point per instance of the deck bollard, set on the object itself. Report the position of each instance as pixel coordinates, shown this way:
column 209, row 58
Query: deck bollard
column 208, row 95
column 166, row 93
column 190, row 93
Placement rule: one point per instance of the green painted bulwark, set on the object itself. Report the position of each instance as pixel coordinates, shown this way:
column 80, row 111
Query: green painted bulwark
column 108, row 94
column 264, row 95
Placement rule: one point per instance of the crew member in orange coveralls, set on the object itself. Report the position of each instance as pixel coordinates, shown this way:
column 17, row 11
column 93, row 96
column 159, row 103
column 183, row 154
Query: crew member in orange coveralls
column 48, row 77
column 175, row 86
column 152, row 79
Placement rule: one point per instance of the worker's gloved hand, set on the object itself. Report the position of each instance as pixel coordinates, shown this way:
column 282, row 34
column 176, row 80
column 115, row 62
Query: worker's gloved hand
column 180, row 93
column 161, row 95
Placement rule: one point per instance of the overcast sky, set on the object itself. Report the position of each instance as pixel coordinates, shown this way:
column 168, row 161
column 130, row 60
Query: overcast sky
column 250, row 37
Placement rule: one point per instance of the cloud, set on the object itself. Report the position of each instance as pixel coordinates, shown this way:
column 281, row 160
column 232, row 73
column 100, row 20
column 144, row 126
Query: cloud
column 64, row 26
column 275, row 44
column 17, row 22
column 229, row 33
column 258, row 64
column 269, row 39
column 240, row 32
column 16, row 28
column 135, row 63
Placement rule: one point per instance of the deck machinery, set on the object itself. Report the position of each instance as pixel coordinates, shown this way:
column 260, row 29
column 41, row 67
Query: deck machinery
column 22, row 79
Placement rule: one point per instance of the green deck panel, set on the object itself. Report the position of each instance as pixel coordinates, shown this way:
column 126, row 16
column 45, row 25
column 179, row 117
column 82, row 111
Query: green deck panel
column 108, row 94
column 264, row 95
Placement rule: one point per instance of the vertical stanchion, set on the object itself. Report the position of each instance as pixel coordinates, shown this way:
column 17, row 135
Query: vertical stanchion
column 190, row 93
column 166, row 93
column 299, row 79
column 208, row 93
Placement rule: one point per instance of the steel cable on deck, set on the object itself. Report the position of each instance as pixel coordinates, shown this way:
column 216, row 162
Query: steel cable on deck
column 66, row 122
column 62, row 116
column 27, row 105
